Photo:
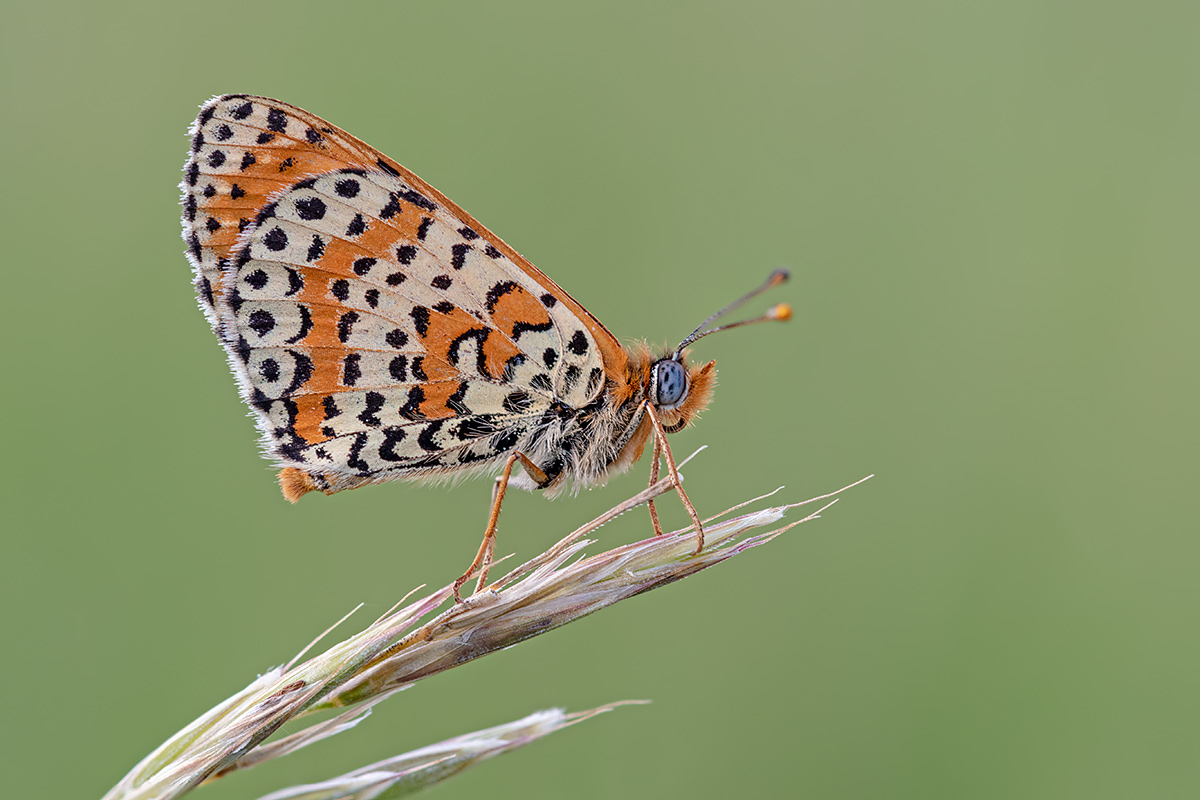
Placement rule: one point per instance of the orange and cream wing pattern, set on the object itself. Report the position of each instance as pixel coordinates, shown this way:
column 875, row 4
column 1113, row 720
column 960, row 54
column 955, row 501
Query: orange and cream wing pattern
column 376, row 329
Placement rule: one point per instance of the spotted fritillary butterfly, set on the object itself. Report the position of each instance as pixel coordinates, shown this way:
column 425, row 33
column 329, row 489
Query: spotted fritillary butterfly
column 379, row 332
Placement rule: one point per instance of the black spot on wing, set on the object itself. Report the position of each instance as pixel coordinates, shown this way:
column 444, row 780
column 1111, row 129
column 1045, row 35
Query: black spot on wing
column 578, row 344
column 497, row 291
column 419, row 200
column 268, row 369
column 425, row 439
column 331, row 408
column 275, row 239
column 351, row 371
column 261, row 322
column 420, row 317
column 316, row 249
column 310, row 208
column 392, row 436
column 392, row 208
column 373, row 405
column 346, row 325
column 411, row 409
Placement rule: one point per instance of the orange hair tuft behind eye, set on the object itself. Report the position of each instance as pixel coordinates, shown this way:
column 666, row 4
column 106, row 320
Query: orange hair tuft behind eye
column 703, row 379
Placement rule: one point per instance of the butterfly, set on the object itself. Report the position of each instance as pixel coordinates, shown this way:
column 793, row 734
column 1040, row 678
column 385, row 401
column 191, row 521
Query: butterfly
column 379, row 332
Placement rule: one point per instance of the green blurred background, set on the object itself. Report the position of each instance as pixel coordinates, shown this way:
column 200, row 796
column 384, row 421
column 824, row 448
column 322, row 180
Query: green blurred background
column 990, row 213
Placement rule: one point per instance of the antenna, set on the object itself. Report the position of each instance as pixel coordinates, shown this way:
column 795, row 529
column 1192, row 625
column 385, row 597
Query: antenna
column 781, row 312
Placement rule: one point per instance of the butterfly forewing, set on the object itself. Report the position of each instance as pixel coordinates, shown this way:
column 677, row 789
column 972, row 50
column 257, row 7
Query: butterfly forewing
column 374, row 326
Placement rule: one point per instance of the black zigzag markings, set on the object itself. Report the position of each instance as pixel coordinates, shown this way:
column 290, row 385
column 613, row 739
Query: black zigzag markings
column 370, row 413
column 426, row 440
column 480, row 336
column 354, row 461
column 392, row 436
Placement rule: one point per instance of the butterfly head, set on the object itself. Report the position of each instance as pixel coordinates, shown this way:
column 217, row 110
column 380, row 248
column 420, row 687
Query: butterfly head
column 679, row 390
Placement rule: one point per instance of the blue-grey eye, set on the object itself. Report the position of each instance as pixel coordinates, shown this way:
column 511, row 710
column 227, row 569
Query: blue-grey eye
column 670, row 383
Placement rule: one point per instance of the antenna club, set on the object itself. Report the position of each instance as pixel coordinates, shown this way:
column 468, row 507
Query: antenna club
column 778, row 276
column 781, row 312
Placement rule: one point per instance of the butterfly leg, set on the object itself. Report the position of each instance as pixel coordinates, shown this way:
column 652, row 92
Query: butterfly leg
column 483, row 559
column 660, row 439
column 658, row 531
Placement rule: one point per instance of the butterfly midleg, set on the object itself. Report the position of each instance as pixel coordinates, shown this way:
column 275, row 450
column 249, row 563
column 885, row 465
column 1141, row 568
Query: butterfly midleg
column 483, row 559
column 660, row 437
column 658, row 531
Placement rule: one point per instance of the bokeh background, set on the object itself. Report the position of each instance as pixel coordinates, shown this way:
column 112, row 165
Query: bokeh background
column 990, row 212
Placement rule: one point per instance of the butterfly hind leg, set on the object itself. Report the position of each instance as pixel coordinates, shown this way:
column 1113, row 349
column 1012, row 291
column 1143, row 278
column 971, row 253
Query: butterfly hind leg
column 663, row 447
column 483, row 559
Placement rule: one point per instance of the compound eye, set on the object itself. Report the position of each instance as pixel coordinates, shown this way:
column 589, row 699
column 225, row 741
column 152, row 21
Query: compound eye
column 670, row 383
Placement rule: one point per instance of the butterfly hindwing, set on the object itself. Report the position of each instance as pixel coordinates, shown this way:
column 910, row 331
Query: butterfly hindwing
column 374, row 327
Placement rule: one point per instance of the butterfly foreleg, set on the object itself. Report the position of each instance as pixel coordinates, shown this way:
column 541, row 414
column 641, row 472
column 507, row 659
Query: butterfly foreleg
column 487, row 548
column 660, row 441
